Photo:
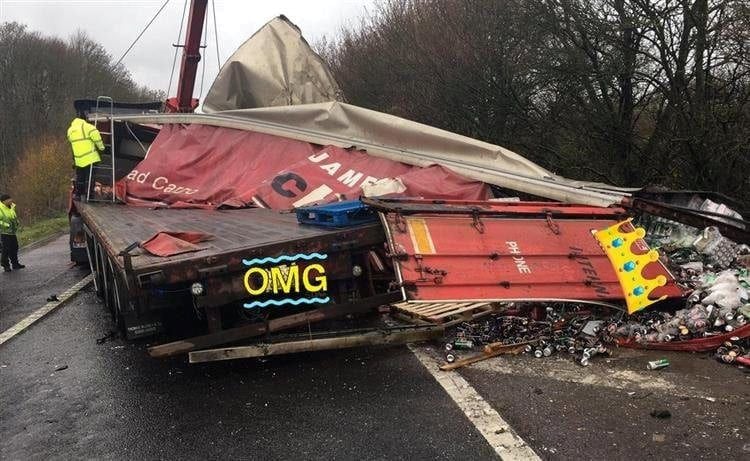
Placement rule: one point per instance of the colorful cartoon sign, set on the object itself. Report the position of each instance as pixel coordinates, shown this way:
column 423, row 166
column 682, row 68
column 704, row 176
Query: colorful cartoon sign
column 618, row 242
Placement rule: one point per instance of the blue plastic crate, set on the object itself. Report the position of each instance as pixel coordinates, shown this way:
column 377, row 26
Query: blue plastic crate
column 339, row 214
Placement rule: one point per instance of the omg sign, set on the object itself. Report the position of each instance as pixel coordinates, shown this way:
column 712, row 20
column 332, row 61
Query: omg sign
column 273, row 276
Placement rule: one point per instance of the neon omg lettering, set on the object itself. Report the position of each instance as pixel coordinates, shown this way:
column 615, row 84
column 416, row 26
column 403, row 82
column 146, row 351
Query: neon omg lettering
column 286, row 279
column 313, row 279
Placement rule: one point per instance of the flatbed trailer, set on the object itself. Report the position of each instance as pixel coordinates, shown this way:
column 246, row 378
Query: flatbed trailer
column 141, row 289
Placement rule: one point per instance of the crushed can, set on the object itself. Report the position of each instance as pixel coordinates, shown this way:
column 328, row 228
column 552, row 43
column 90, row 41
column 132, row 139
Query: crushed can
column 656, row 364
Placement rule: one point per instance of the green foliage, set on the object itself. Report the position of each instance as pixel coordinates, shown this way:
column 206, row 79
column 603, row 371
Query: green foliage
column 41, row 229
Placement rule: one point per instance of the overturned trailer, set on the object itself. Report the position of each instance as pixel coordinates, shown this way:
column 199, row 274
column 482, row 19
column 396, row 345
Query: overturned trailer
column 259, row 268
column 191, row 234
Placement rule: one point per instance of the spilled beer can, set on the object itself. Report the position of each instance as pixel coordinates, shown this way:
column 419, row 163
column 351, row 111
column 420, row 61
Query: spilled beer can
column 656, row 364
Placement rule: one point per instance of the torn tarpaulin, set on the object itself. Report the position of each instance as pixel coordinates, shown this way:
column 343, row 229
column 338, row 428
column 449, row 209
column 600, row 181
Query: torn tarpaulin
column 173, row 243
column 199, row 166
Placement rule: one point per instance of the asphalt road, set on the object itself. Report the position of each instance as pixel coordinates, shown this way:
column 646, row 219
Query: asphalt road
column 63, row 396
column 114, row 402
column 49, row 271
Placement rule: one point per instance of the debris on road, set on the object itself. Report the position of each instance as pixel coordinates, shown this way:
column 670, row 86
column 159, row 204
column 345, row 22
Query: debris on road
column 657, row 364
column 733, row 352
column 109, row 336
column 571, row 332
column 714, row 315
column 61, row 368
column 661, row 414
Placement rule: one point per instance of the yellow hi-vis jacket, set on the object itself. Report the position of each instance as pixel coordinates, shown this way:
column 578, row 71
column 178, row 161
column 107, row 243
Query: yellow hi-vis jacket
column 8, row 219
column 85, row 141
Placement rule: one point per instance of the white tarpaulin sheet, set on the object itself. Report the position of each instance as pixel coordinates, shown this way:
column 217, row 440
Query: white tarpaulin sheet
column 274, row 67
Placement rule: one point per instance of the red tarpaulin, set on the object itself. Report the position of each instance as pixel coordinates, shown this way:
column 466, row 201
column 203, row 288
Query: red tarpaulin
column 709, row 343
column 174, row 243
column 201, row 166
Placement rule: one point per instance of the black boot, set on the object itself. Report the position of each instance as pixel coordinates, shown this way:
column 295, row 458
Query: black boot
column 6, row 268
column 18, row 266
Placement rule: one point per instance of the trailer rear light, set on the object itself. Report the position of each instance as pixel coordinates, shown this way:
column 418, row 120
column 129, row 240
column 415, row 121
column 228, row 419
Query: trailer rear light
column 356, row 271
column 197, row 289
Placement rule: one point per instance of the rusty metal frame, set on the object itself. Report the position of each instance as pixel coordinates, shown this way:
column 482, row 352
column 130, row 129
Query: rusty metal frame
column 345, row 339
column 477, row 209
column 278, row 324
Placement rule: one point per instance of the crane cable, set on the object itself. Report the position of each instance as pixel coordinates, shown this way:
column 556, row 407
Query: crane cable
column 216, row 36
column 176, row 47
column 203, row 61
column 141, row 34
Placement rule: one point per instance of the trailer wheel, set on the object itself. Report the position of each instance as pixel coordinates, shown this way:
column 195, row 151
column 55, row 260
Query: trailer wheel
column 119, row 300
column 94, row 250
column 109, row 289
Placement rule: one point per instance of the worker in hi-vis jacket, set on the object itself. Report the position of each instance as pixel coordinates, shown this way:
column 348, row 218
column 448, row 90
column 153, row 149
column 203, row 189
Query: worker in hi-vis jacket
column 86, row 143
column 8, row 228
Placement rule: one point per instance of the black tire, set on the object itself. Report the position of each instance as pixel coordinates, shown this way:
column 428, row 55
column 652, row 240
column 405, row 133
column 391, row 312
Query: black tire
column 119, row 299
column 93, row 252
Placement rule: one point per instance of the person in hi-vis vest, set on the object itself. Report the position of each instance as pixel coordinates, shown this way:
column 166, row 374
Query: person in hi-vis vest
column 8, row 228
column 86, row 143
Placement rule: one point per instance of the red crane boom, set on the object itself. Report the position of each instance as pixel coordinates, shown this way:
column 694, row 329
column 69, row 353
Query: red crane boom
column 191, row 56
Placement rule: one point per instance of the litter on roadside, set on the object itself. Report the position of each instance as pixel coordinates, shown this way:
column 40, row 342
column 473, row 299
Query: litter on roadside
column 712, row 316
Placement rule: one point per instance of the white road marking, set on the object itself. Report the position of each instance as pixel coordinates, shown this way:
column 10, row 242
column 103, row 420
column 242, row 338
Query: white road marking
column 498, row 433
column 44, row 310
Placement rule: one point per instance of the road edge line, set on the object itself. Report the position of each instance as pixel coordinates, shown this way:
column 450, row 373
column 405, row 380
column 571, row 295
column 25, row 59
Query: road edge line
column 508, row 445
column 32, row 318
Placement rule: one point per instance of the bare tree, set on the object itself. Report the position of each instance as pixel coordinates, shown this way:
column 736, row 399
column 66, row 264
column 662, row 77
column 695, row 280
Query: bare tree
column 633, row 92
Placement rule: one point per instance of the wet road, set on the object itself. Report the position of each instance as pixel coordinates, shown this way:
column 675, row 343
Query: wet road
column 111, row 401
column 49, row 271
column 114, row 402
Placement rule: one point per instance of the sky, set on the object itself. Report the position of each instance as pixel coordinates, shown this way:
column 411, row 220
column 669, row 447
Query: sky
column 116, row 23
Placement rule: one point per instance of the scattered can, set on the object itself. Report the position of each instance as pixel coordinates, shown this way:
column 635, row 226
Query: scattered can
column 656, row 364
column 463, row 344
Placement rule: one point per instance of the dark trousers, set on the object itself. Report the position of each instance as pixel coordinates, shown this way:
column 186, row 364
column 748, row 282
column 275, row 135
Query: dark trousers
column 10, row 250
column 82, row 181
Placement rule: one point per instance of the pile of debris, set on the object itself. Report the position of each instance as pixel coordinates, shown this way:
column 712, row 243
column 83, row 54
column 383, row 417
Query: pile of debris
column 710, row 267
column 575, row 333
column 720, row 304
column 736, row 351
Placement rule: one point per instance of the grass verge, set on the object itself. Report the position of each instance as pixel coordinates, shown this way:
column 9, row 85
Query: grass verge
column 42, row 229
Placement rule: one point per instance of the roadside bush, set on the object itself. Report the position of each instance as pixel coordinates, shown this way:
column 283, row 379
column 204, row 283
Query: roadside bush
column 41, row 180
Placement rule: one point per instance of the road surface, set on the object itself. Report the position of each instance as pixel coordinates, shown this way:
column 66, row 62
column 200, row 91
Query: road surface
column 66, row 396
